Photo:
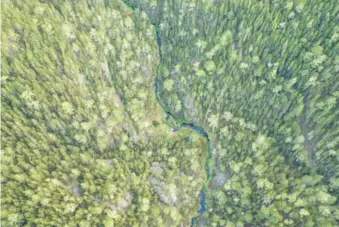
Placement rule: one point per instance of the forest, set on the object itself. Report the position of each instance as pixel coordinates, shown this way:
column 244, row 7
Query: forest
column 124, row 113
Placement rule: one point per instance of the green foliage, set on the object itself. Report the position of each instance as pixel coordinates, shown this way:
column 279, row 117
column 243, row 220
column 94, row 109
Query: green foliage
column 84, row 141
column 261, row 78
column 81, row 129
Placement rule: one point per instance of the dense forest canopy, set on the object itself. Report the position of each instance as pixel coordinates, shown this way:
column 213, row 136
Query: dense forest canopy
column 262, row 78
column 86, row 140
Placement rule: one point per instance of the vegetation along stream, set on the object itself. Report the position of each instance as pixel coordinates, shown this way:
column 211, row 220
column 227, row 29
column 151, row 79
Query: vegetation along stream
column 192, row 126
column 197, row 129
column 181, row 123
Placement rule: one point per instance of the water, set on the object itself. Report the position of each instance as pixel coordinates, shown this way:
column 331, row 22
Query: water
column 201, row 131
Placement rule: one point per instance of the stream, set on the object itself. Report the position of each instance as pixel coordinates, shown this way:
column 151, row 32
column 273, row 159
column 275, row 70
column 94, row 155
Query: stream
column 199, row 130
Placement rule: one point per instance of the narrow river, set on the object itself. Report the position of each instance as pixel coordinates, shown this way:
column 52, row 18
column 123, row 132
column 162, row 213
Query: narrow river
column 199, row 130
column 194, row 127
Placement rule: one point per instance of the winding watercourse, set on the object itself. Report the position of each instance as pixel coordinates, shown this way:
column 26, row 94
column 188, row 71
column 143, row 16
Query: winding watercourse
column 192, row 126
column 182, row 123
